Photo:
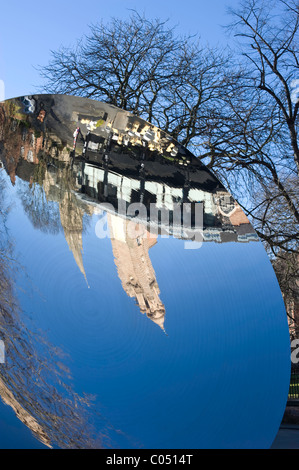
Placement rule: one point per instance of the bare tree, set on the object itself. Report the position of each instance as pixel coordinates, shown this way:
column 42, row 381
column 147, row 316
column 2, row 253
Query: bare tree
column 252, row 143
column 241, row 120
column 271, row 37
column 286, row 267
column 142, row 66
column 257, row 150
column 238, row 113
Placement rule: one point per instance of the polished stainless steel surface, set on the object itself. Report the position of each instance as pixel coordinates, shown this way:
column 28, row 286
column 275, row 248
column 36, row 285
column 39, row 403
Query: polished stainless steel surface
column 138, row 307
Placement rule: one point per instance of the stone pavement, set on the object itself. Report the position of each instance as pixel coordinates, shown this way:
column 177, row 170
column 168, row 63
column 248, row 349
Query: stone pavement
column 287, row 437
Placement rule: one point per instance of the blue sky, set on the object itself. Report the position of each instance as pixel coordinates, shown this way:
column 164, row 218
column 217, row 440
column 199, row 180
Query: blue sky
column 31, row 29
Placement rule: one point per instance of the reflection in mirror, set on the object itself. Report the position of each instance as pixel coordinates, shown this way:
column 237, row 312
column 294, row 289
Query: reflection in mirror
column 34, row 381
column 119, row 159
column 107, row 185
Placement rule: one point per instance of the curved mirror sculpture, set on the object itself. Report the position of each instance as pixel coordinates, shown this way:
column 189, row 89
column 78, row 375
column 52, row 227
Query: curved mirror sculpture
column 138, row 309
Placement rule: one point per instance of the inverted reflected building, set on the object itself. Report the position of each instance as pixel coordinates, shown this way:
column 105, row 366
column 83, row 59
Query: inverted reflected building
column 118, row 159
column 77, row 161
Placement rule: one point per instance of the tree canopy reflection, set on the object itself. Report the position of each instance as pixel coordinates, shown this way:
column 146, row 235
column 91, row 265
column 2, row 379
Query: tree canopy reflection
column 33, row 381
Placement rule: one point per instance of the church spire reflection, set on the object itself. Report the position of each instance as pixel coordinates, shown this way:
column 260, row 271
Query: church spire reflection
column 71, row 218
column 112, row 156
column 134, row 267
